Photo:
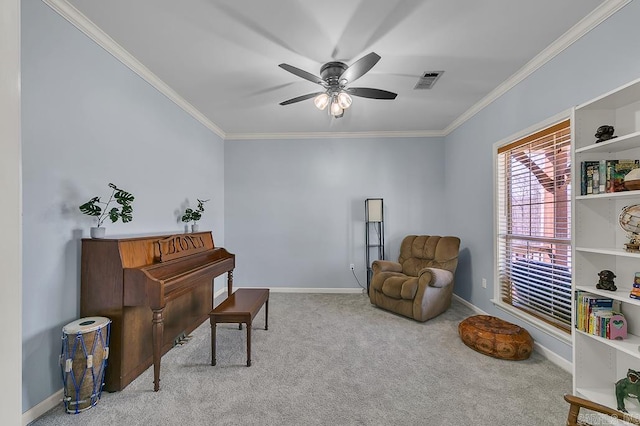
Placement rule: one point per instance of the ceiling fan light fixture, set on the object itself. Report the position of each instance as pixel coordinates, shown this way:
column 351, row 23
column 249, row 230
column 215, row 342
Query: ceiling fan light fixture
column 334, row 78
column 321, row 101
column 344, row 100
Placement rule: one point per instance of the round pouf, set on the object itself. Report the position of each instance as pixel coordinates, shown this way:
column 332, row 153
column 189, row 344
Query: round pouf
column 495, row 337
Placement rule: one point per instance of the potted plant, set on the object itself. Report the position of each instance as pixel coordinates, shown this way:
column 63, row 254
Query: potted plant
column 123, row 212
column 194, row 215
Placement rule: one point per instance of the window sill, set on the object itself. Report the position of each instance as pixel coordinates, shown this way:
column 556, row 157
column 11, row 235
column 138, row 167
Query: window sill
column 540, row 325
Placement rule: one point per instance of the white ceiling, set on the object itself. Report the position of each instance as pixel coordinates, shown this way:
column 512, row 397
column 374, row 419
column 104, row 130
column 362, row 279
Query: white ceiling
column 222, row 56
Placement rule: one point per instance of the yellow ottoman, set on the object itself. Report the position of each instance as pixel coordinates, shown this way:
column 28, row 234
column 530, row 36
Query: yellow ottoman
column 495, row 337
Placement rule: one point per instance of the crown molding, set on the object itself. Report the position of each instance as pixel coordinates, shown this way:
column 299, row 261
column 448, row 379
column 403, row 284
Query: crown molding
column 81, row 22
column 589, row 22
column 334, row 135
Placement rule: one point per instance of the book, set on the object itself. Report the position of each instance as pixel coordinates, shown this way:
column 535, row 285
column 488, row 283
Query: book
column 616, row 170
column 587, row 169
column 603, row 176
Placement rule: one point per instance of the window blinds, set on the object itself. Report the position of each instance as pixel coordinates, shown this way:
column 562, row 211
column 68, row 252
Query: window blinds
column 534, row 226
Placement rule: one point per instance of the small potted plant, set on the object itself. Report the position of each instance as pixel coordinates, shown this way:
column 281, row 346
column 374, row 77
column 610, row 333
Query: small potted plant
column 124, row 212
column 194, row 215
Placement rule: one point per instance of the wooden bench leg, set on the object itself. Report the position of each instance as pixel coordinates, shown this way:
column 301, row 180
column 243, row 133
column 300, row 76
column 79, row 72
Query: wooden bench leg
column 213, row 343
column 266, row 315
column 249, row 344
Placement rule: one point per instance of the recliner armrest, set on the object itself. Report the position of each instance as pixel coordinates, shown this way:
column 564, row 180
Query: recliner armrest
column 386, row 266
column 435, row 277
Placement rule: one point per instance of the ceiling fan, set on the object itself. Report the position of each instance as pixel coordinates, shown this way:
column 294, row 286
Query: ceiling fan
column 334, row 78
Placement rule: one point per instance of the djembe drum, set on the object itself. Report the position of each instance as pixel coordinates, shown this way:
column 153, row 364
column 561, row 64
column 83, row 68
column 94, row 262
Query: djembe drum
column 85, row 349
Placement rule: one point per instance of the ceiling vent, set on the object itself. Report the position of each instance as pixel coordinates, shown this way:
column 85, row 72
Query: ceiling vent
column 428, row 79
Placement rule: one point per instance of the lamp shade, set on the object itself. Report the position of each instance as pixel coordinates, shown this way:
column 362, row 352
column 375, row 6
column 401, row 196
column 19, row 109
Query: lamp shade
column 374, row 209
column 344, row 100
column 321, row 101
column 336, row 109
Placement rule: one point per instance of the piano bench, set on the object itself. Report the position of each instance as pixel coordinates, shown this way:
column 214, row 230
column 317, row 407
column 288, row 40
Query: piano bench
column 241, row 307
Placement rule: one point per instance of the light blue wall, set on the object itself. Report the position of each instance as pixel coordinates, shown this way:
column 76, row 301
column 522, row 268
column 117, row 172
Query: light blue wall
column 88, row 120
column 294, row 209
column 602, row 60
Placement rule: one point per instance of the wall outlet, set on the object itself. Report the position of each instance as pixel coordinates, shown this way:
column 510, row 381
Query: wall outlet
column 484, row 283
column 351, row 266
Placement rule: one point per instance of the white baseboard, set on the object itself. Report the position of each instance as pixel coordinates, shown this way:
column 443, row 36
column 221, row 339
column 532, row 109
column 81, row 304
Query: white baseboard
column 469, row 305
column 46, row 405
column 553, row 357
column 354, row 290
column 542, row 350
column 351, row 290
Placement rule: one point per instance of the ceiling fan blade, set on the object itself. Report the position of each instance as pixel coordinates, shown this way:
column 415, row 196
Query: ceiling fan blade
column 360, row 67
column 303, row 74
column 300, row 98
column 365, row 92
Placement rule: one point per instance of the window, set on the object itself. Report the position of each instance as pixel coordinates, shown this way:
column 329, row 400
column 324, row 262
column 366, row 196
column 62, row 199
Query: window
column 534, row 224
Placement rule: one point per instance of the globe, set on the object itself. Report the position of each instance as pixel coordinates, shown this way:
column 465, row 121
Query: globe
column 629, row 220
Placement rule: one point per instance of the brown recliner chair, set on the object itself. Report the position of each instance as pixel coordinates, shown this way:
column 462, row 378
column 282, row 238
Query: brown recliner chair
column 420, row 284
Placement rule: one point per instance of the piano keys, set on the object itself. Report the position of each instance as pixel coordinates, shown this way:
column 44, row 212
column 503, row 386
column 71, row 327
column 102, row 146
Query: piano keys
column 155, row 289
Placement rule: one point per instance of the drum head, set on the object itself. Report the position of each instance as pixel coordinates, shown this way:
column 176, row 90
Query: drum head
column 85, row 325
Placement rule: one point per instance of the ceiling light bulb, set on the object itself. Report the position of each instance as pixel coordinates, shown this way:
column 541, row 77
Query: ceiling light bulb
column 344, row 100
column 321, row 101
column 336, row 109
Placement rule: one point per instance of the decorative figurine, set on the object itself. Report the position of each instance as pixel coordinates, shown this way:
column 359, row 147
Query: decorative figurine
column 606, row 280
column 628, row 386
column 604, row 133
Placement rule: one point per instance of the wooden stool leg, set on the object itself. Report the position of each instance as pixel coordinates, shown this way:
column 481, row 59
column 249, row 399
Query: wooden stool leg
column 249, row 344
column 213, row 343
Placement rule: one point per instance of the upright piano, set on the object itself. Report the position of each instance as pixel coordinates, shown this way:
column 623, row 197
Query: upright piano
column 155, row 289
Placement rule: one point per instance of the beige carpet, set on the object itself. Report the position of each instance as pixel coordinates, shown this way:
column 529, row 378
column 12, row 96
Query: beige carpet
column 334, row 359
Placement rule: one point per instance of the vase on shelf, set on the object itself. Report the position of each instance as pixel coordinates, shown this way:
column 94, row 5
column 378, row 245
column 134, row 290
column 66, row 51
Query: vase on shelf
column 195, row 227
column 97, row 232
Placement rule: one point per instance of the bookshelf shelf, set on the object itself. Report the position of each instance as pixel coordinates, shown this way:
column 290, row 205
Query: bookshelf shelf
column 597, row 241
column 622, row 294
column 619, row 144
column 609, row 251
column 630, row 345
column 610, row 195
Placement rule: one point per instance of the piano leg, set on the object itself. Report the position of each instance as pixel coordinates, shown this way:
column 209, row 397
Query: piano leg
column 230, row 283
column 158, row 331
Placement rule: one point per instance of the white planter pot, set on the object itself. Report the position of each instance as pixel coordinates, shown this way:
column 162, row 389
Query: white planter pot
column 195, row 227
column 97, row 232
